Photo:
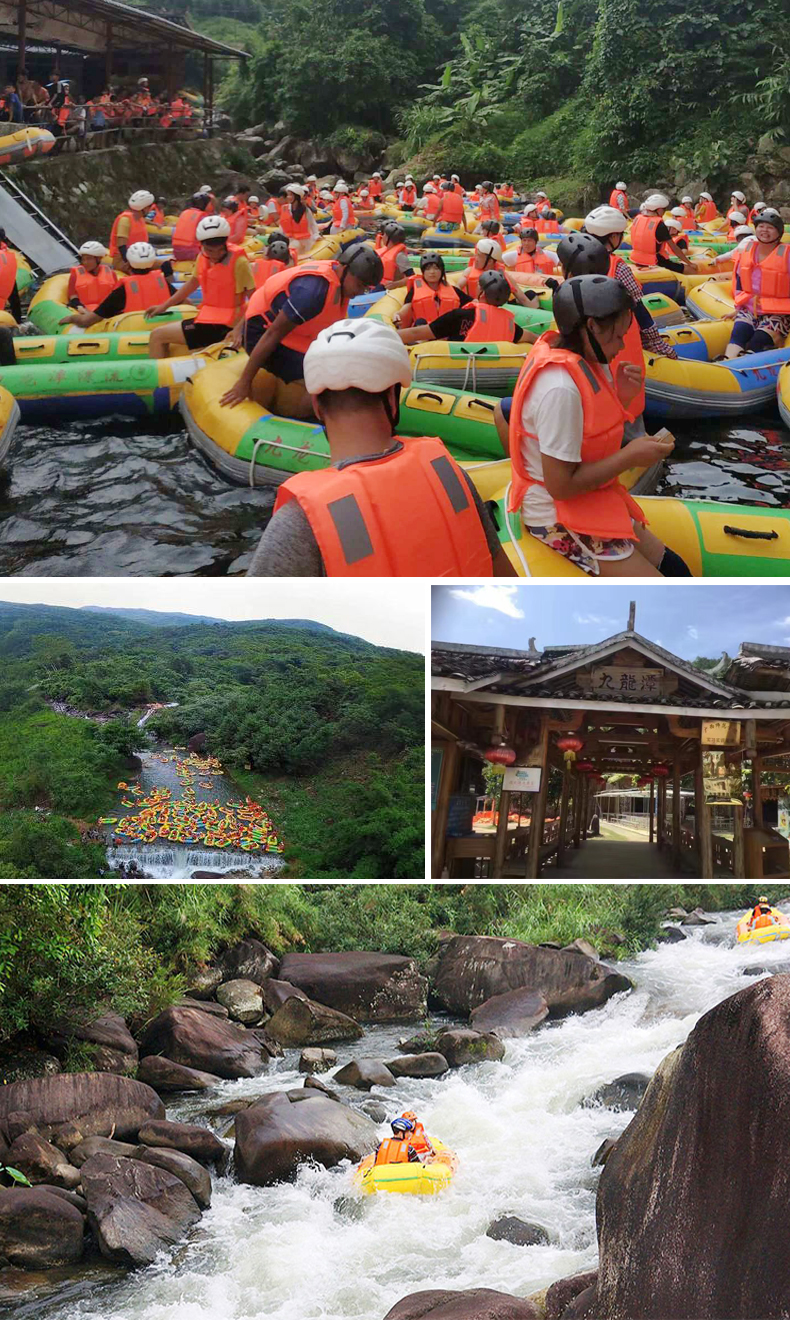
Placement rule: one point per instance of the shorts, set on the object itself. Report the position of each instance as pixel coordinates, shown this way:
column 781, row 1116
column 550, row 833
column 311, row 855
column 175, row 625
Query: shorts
column 506, row 405
column 775, row 324
column 583, row 551
column 198, row 335
column 288, row 399
column 190, row 252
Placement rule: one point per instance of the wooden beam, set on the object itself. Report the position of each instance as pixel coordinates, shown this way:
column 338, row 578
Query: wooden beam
column 577, row 810
column 22, row 40
column 539, row 802
column 738, row 862
column 676, row 778
column 704, row 828
column 449, row 773
column 757, row 801
column 500, row 852
column 585, row 808
column 652, row 809
column 564, row 800
column 653, row 710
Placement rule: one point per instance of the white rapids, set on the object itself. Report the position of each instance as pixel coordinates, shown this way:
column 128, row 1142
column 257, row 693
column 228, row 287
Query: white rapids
column 304, row 1250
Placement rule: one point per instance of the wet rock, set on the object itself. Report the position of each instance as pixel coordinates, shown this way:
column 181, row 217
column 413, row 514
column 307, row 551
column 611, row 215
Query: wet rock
column 74, row 1199
column 604, row 1151
column 243, row 999
column 38, row 1229
column 705, row 1153
column 135, row 1210
column 624, row 1093
column 108, row 1039
column 419, row 1065
column 101, row 1146
column 516, row 1231
column 473, row 969
column 249, row 959
column 424, row 1042
column 584, row 1305
column 73, row 1105
column 670, row 936
column 374, row 1109
column 205, row 981
column 300, row 1022
column 582, row 947
column 562, row 1293
column 20, row 1062
column 275, row 993
column 697, row 919
column 193, row 1140
column 363, row 984
column 478, row 1303
column 270, row 1047
column 229, row 1107
column 168, row 1077
column 274, row 1137
column 41, row 1162
column 213, row 1008
column 677, row 914
column 317, row 1060
column 204, row 1042
column 196, row 1178
column 364, row 1074
column 511, row 1015
column 312, row 1083
column 467, row 1046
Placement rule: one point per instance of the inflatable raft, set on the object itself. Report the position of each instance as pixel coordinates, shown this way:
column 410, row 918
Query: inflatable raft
column 49, row 305
column 9, row 418
column 712, row 300
column 783, row 394
column 716, row 540
column 408, row 1177
column 693, row 386
column 778, row 931
column 25, row 143
column 88, row 389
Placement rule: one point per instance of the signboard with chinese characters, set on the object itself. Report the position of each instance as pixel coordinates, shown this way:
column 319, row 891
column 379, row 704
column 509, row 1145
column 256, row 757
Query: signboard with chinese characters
column 634, row 682
column 721, row 779
column 783, row 817
column 522, row 779
column 720, row 732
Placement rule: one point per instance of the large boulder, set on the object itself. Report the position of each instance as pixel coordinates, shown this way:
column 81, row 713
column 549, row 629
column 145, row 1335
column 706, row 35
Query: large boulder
column 317, row 1060
column 300, row 1022
column 248, row 959
column 364, row 984
column 515, row 1231
column 460, row 1047
column 276, row 992
column 22, row 1059
column 243, row 999
column 135, row 1210
column 191, row 1138
column 184, row 1167
column 203, row 1041
column 561, row 1294
column 73, row 1105
column 477, row 1303
column 107, row 1038
column 41, row 1162
column 691, row 1197
column 38, row 1229
column 473, row 969
column 624, row 1093
column 419, row 1065
column 168, row 1077
column 364, row 1074
column 511, row 1015
column 275, row 1136
column 101, row 1146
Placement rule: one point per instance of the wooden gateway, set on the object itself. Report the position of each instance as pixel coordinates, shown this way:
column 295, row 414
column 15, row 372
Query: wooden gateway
column 707, row 752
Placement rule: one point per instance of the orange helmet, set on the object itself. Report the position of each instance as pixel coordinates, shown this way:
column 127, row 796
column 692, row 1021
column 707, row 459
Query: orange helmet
column 410, row 1116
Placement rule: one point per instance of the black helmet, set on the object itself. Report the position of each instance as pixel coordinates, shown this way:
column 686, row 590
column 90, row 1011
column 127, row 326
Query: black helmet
column 401, row 1125
column 161, row 200
column 396, row 232
column 579, row 254
column 770, row 216
column 276, row 236
column 494, row 287
column 432, row 259
column 588, row 296
column 387, row 227
column 200, row 200
column 278, row 251
column 490, row 227
column 363, row 263
column 231, row 204
column 528, row 233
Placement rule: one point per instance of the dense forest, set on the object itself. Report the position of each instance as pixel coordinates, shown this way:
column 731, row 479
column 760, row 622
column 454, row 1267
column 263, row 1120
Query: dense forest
column 559, row 94
column 328, row 726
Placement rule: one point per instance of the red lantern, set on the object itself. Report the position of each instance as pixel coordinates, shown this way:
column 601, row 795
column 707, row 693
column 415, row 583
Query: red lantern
column 660, row 771
column 570, row 746
column 584, row 767
column 645, row 781
column 500, row 755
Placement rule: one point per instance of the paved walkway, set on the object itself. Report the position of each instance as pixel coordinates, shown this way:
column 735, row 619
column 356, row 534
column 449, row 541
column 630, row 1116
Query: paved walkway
column 616, row 854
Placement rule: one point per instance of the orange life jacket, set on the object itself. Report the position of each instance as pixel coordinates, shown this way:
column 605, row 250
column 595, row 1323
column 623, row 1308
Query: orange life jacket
column 238, row 225
column 735, row 209
column 392, row 1152
column 337, row 214
column 473, row 274
column 433, row 206
column 158, row 216
column 299, row 231
column 389, row 254
column 8, row 269
column 491, row 323
column 357, row 515
column 92, row 289
column 689, row 217
column 489, row 208
column 528, row 262
column 547, row 225
column 706, row 211
column 334, row 310
column 428, row 303
column 64, row 111
column 185, row 231
column 757, row 919
column 644, row 248
column 458, row 189
column 609, row 510
column 145, row 289
column 619, row 200
column 774, row 295
column 632, row 351
column 376, row 188
column 419, row 1141
column 263, row 269
column 408, row 195
column 137, row 231
column 220, row 305
column 452, row 208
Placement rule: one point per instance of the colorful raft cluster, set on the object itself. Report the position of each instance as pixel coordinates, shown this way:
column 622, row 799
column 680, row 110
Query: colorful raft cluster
column 158, row 815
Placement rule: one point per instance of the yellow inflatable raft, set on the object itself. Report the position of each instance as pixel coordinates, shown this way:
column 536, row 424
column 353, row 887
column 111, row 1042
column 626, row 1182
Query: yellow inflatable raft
column 408, row 1177
column 25, row 143
column 712, row 300
column 9, row 418
column 49, row 305
column 778, row 931
column 783, row 395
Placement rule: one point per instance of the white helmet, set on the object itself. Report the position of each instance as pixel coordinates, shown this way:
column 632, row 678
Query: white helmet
column 429, row 189
column 377, row 174
column 357, row 352
column 656, row 202
column 743, row 231
column 737, row 218
column 705, row 195
column 311, row 178
column 620, row 186
column 530, row 209
column 542, row 195
column 141, row 200
column 454, row 177
column 253, row 200
column 605, row 220
column 487, row 247
column 295, row 189
column 678, row 212
column 760, row 205
column 364, row 192
column 397, row 184
column 342, row 187
column 738, row 195
column 686, row 200
column 213, row 228
column 409, row 179
column 205, row 190
column 327, row 195
column 93, row 249
column 141, row 256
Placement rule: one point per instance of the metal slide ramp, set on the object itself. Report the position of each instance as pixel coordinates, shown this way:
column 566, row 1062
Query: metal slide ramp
column 29, row 229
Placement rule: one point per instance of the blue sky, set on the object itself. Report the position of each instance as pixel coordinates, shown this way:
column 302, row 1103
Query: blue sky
column 689, row 619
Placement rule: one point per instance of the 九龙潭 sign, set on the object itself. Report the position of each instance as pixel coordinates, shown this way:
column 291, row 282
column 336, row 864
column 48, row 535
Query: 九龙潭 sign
column 635, row 681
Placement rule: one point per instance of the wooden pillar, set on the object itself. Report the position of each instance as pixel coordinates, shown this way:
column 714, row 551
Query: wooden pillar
column 564, row 800
column 450, row 761
column 652, row 807
column 500, row 851
column 676, row 848
column 585, row 807
column 577, row 810
column 738, row 861
column 757, row 802
column 539, row 803
column 108, row 56
column 662, row 810
column 704, row 829
column 22, row 40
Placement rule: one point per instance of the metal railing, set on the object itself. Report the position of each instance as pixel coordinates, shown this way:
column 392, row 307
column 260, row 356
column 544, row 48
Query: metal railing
column 99, row 126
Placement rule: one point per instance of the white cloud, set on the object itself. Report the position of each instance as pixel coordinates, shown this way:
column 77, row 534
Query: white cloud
column 692, row 631
column 599, row 621
column 784, row 623
column 495, row 596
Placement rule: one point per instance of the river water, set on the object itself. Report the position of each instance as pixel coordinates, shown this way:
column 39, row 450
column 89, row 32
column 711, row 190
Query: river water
column 115, row 499
column 525, row 1142
column 166, row 860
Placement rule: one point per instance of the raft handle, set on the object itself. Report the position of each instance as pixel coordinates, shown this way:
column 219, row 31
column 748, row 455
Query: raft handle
column 430, row 396
column 476, row 401
column 752, row 535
